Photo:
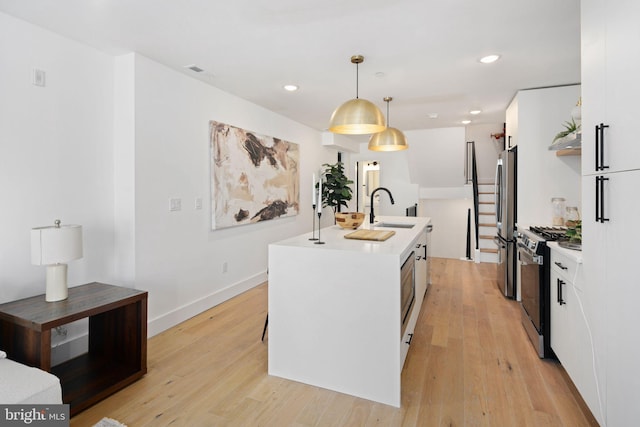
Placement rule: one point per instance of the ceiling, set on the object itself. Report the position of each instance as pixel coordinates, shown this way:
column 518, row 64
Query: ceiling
column 423, row 53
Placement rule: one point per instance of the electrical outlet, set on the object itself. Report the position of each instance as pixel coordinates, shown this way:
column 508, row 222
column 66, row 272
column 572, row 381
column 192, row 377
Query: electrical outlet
column 198, row 203
column 225, row 267
column 61, row 331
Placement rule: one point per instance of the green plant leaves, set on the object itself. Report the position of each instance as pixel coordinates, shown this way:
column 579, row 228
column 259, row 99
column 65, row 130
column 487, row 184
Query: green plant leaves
column 335, row 189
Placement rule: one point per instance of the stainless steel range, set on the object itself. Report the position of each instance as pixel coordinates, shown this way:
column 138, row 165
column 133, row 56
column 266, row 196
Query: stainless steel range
column 533, row 260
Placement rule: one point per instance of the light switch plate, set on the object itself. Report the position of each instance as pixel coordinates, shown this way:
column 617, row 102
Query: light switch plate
column 175, row 204
column 38, row 77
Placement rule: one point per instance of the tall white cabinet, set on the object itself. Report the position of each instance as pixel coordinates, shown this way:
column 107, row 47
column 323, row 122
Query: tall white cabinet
column 610, row 188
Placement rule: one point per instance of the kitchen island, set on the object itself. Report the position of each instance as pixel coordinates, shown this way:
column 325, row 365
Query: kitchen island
column 335, row 309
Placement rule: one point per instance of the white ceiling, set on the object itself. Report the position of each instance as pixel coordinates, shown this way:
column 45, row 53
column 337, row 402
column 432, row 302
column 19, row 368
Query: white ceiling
column 423, row 53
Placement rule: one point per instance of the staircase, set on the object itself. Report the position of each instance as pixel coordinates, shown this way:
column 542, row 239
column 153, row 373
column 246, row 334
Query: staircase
column 487, row 223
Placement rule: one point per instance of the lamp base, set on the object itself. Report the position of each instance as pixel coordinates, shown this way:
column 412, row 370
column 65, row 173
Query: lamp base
column 56, row 283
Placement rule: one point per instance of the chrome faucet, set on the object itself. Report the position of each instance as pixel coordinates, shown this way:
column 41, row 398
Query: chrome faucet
column 371, row 215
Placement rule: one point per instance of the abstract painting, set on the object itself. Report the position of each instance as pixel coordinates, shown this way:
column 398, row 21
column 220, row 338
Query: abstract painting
column 253, row 177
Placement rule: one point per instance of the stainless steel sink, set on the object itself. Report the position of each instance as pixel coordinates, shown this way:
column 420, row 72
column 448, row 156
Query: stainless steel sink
column 393, row 225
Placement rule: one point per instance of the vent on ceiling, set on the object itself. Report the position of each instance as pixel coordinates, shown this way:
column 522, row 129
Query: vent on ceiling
column 194, row 68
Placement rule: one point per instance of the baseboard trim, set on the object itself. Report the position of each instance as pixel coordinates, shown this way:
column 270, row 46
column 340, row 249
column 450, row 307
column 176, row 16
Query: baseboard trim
column 180, row 314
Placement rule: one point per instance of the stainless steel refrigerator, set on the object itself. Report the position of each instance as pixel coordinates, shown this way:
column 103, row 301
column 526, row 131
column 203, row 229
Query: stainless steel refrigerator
column 505, row 200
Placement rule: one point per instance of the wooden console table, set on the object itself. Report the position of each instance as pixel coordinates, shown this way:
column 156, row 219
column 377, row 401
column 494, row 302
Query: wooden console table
column 117, row 351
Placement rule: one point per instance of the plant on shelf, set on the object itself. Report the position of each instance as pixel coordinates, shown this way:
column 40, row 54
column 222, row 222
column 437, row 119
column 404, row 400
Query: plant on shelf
column 335, row 188
column 570, row 127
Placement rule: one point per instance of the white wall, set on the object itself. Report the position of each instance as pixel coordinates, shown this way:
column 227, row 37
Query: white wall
column 541, row 174
column 437, row 157
column 487, row 149
column 106, row 144
column 56, row 153
column 449, row 220
column 179, row 259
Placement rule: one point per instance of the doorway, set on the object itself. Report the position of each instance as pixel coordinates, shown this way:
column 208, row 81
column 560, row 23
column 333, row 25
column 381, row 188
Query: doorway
column 368, row 179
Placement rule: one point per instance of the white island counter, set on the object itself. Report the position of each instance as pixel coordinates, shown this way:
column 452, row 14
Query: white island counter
column 335, row 317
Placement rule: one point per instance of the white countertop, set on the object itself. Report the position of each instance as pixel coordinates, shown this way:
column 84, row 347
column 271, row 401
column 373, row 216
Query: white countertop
column 334, row 239
column 573, row 254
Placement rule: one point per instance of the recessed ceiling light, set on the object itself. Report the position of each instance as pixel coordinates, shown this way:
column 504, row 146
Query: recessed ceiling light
column 433, row 115
column 291, row 88
column 489, row 59
column 466, row 122
column 474, row 112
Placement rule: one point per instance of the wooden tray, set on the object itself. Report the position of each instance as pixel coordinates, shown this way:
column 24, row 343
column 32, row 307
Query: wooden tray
column 377, row 235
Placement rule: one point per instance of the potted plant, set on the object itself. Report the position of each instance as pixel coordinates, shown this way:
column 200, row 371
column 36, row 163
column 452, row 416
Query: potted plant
column 336, row 193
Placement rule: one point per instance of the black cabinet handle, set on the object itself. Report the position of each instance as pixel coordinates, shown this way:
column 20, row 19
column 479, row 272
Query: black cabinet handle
column 600, row 147
column 559, row 264
column 597, row 197
column 509, row 142
column 425, row 251
column 410, row 338
column 600, row 199
column 561, row 301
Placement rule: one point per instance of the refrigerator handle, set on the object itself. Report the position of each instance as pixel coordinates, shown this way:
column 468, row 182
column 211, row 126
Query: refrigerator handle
column 500, row 245
column 497, row 196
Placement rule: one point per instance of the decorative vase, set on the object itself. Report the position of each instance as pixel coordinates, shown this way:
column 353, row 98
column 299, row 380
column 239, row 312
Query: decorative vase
column 350, row 220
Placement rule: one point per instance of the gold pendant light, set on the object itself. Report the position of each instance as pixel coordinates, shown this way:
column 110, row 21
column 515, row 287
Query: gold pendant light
column 390, row 139
column 357, row 116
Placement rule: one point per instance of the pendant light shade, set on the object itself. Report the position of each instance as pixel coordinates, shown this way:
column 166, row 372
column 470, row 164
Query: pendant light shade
column 357, row 116
column 390, row 139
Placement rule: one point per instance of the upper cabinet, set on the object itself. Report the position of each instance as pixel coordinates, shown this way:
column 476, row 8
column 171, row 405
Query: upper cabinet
column 511, row 124
column 610, row 91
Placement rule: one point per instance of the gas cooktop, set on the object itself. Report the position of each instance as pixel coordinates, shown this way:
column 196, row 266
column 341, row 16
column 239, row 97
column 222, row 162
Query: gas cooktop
column 534, row 238
column 550, row 233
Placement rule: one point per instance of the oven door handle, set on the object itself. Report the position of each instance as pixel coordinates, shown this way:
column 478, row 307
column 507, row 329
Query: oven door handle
column 527, row 255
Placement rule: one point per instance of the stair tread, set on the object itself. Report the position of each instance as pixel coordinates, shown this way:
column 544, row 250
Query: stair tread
column 486, row 203
column 486, row 213
column 486, row 225
column 485, row 236
column 486, row 192
column 489, row 250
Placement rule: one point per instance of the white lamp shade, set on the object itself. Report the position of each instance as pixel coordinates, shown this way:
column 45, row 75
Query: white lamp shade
column 56, row 245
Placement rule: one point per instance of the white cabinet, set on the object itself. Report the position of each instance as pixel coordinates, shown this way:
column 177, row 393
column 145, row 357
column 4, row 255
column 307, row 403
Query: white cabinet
column 421, row 265
column 610, row 68
column 571, row 326
column 421, row 278
column 610, row 254
column 511, row 124
column 335, row 310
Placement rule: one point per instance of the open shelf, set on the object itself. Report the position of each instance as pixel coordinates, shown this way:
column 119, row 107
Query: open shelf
column 86, row 379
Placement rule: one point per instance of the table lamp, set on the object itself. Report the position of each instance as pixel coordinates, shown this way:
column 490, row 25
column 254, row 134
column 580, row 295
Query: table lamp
column 54, row 246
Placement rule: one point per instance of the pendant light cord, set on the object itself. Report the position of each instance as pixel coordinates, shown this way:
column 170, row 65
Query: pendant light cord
column 387, row 113
column 357, row 80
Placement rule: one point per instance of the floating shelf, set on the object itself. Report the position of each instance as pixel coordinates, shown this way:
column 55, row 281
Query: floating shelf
column 569, row 152
column 571, row 141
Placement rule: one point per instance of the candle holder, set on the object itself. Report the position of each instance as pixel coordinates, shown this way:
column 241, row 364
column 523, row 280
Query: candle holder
column 319, row 242
column 313, row 236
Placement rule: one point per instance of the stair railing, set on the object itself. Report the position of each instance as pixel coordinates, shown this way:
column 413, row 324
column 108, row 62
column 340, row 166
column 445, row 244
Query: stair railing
column 471, row 175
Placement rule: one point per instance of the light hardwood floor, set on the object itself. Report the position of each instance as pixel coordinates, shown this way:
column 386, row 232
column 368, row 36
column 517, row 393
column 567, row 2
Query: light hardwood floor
column 470, row 364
